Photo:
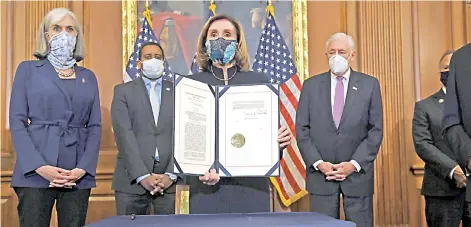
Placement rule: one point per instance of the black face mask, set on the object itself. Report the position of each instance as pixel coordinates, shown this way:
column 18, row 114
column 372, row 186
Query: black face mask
column 444, row 77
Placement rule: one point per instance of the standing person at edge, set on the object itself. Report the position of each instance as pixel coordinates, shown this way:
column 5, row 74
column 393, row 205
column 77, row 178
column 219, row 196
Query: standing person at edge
column 339, row 128
column 57, row 151
column 444, row 183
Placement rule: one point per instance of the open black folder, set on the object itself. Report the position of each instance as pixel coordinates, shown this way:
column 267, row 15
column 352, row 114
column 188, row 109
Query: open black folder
column 230, row 128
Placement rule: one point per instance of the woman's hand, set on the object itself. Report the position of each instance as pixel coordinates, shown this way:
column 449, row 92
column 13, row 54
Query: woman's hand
column 57, row 176
column 210, row 178
column 284, row 136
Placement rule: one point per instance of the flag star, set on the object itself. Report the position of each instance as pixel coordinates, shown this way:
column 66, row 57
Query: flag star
column 278, row 45
column 284, row 55
column 272, row 58
column 277, row 67
column 290, row 64
column 278, row 60
column 272, row 73
column 259, row 69
column 145, row 38
column 130, row 66
column 146, row 30
column 267, row 48
column 139, row 44
column 260, row 62
column 265, row 71
column 272, row 50
column 284, row 62
column 278, row 52
column 263, row 39
column 140, row 37
column 284, row 70
column 273, row 35
column 279, row 37
column 266, row 63
column 272, row 80
column 290, row 71
column 272, row 28
column 261, row 55
column 284, row 47
column 269, row 25
column 278, row 75
column 290, row 56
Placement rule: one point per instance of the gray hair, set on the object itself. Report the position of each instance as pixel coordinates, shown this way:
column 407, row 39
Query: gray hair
column 338, row 36
column 53, row 17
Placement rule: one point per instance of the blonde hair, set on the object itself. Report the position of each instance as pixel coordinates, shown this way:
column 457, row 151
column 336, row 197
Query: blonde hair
column 53, row 17
column 242, row 59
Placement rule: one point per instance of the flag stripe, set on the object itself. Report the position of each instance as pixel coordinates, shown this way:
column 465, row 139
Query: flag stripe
column 274, row 59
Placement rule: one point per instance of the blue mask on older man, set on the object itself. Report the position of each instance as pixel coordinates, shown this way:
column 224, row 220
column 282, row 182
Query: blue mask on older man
column 221, row 51
column 61, row 54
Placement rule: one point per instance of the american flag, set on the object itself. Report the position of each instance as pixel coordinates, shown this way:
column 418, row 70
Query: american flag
column 194, row 66
column 274, row 59
column 146, row 35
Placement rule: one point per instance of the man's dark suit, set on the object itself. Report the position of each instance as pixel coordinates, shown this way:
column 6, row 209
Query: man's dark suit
column 445, row 204
column 358, row 138
column 457, row 110
column 137, row 136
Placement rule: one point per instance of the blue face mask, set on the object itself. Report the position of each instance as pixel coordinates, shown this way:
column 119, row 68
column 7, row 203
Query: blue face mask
column 61, row 54
column 221, row 51
column 444, row 77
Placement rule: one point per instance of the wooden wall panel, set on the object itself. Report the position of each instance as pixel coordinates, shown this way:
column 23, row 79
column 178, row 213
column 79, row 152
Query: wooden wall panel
column 19, row 27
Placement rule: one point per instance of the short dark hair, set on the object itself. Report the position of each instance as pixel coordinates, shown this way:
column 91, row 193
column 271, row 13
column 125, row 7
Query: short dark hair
column 150, row 44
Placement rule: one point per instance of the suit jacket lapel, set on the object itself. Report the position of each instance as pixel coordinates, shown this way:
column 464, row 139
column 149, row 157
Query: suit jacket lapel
column 439, row 99
column 140, row 90
column 48, row 70
column 328, row 98
column 352, row 94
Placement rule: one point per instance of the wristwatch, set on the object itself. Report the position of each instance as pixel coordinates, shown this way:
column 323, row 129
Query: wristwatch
column 172, row 177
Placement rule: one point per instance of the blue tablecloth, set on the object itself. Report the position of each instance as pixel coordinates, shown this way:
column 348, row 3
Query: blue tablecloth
column 225, row 220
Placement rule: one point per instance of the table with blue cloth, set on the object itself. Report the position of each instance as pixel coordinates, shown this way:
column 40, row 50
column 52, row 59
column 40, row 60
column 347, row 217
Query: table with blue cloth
column 225, row 220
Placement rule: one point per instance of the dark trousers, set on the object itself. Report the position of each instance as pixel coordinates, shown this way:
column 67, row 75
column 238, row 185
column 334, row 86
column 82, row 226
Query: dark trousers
column 35, row 206
column 128, row 204
column 441, row 211
column 357, row 209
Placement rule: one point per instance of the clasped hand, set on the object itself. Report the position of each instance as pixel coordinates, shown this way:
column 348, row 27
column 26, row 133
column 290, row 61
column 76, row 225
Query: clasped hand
column 460, row 177
column 156, row 183
column 337, row 172
column 60, row 178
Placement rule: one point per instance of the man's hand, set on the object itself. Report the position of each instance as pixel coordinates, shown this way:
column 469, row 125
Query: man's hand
column 55, row 175
column 210, row 178
column 459, row 177
column 151, row 183
column 164, row 180
column 341, row 171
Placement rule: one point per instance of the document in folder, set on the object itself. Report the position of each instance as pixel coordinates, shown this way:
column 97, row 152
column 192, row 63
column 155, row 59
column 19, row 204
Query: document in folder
column 233, row 129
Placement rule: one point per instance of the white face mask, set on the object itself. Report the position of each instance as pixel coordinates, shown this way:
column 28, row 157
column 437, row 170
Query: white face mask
column 338, row 64
column 153, row 68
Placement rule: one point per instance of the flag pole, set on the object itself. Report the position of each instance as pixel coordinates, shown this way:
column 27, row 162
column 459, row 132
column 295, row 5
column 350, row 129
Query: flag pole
column 147, row 14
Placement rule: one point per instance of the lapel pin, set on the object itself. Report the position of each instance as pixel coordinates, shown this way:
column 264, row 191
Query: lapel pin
column 355, row 88
column 441, row 101
column 83, row 80
column 168, row 89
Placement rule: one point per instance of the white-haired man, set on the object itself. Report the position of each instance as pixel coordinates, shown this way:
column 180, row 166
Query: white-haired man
column 339, row 128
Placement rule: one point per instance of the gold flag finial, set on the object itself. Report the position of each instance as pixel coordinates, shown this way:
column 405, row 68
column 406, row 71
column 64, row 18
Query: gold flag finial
column 270, row 9
column 212, row 7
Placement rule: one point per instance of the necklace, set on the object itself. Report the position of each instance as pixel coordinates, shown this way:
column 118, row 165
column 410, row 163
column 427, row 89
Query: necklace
column 61, row 74
column 212, row 72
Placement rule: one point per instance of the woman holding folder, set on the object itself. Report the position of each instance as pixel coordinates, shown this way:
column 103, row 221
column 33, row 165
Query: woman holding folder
column 223, row 57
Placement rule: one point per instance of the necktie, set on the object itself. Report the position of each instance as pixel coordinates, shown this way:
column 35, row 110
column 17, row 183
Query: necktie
column 155, row 103
column 338, row 101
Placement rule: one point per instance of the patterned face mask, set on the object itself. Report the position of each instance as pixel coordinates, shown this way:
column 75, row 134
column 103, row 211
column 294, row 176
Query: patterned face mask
column 61, row 54
column 221, row 51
